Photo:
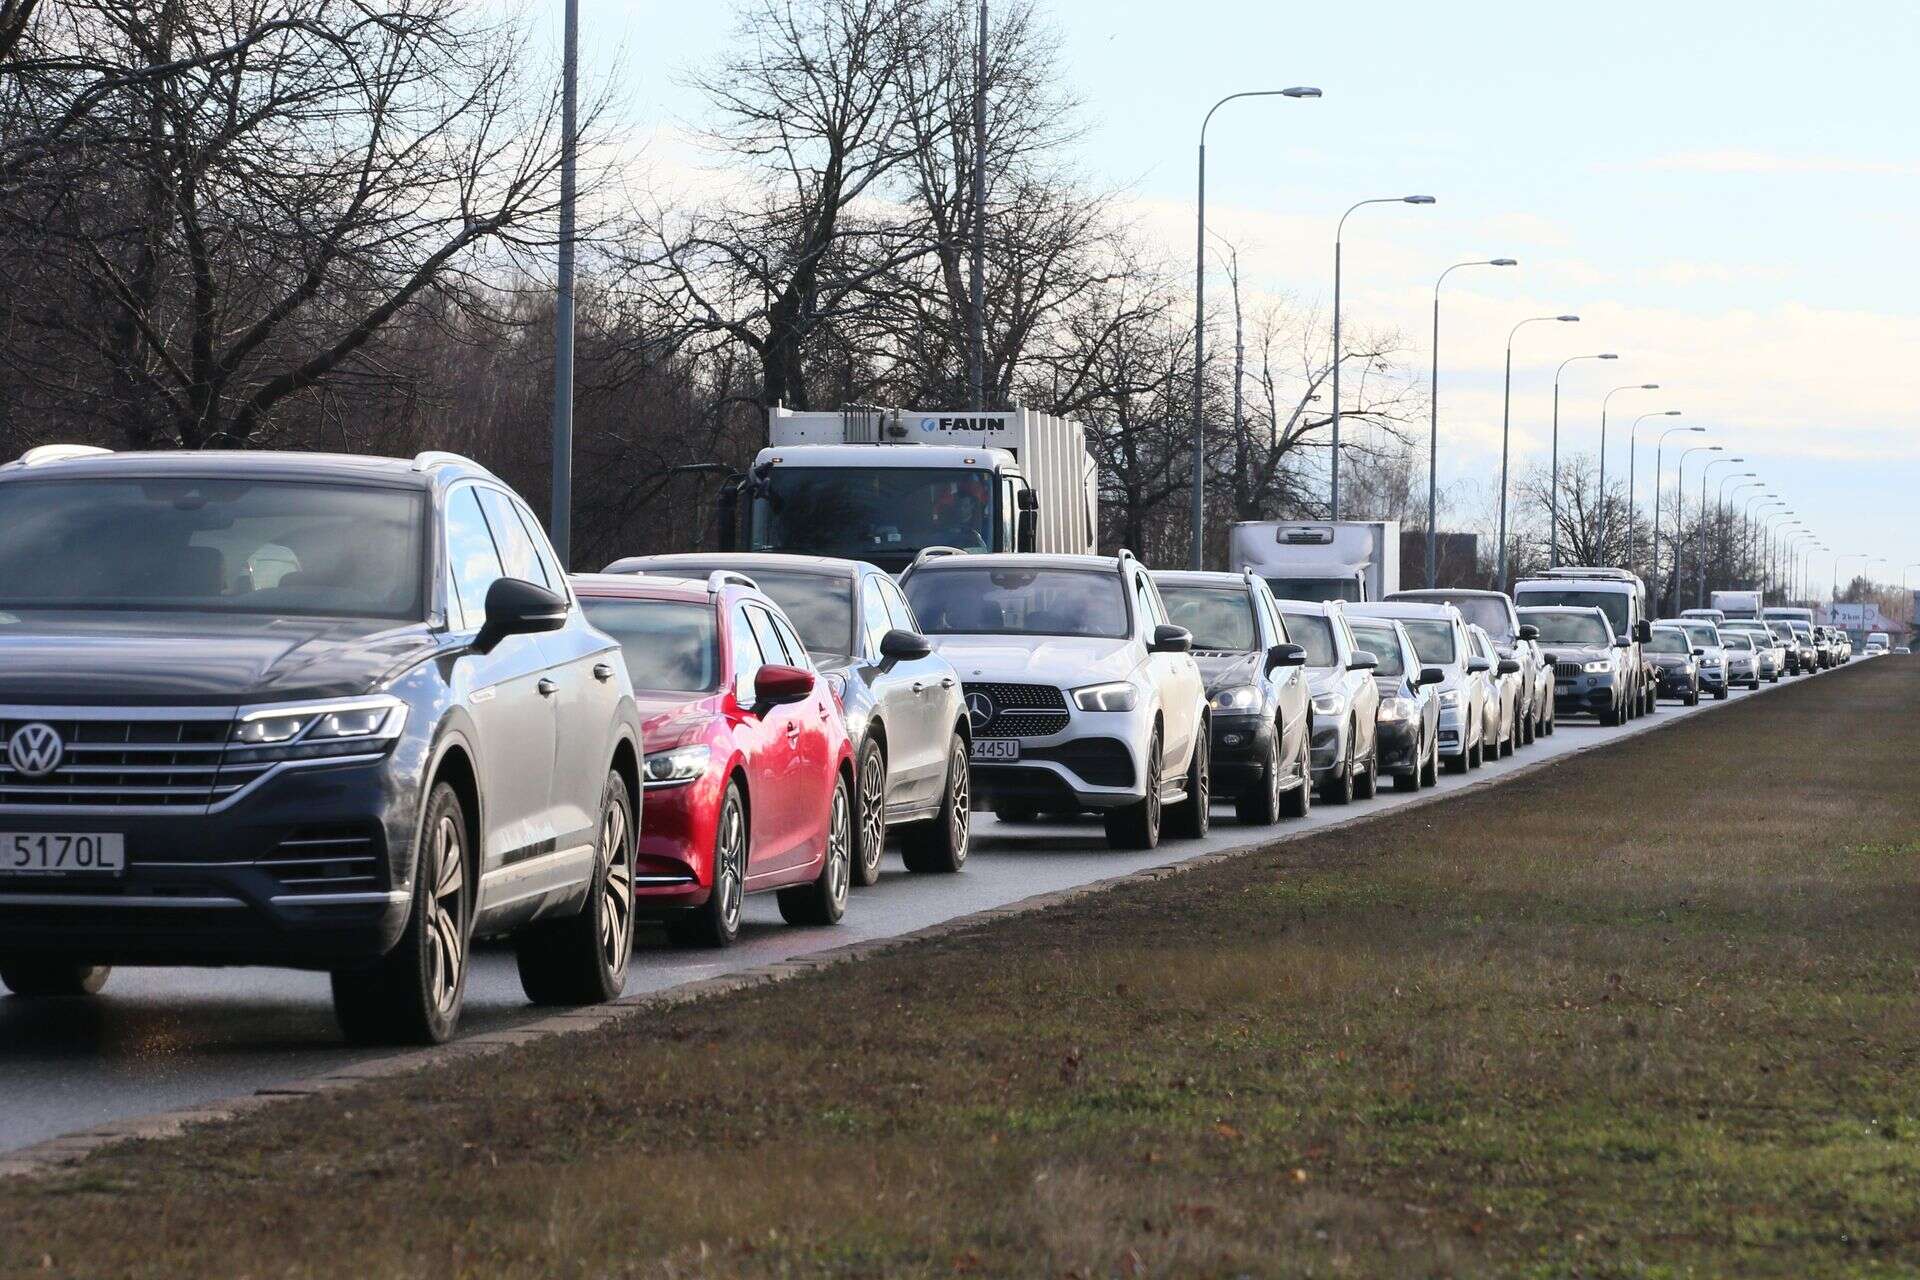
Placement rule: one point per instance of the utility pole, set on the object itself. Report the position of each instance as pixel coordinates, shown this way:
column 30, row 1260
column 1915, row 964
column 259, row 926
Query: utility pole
column 978, row 294
column 561, row 521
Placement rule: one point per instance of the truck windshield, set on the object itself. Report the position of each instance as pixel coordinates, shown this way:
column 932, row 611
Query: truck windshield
column 1031, row 602
column 1347, row 589
column 213, row 545
column 1611, row 603
column 1219, row 617
column 884, row 515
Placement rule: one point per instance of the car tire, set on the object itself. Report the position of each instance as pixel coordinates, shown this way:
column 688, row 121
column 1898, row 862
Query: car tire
column 413, row 994
column 1366, row 785
column 1456, row 764
column 940, row 845
column 39, row 977
column 1298, row 803
column 1015, row 813
column 1259, row 804
column 1137, row 826
column 1416, row 777
column 1430, row 771
column 1720, row 694
column 582, row 959
column 1506, row 743
column 870, row 814
column 715, row 923
column 1477, row 754
column 1526, row 730
column 1192, row 818
column 823, row 900
column 1339, row 785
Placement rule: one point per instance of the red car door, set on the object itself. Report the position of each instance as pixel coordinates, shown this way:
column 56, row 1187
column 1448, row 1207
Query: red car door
column 807, row 769
column 763, row 749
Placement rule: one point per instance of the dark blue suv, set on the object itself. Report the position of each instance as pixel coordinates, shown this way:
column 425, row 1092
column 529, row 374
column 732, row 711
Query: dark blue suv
column 325, row 712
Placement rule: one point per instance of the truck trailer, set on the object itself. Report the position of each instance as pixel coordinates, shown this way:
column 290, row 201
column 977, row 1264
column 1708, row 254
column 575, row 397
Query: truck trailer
column 882, row 485
column 1349, row 560
column 1738, row 604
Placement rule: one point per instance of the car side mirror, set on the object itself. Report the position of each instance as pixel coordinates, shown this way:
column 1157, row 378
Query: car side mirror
column 904, row 646
column 1168, row 638
column 1479, row 664
column 777, row 685
column 1508, row 666
column 1699, row 653
column 1286, row 655
column 1362, row 661
column 1432, row 675
column 516, row 607
column 1643, row 631
column 1622, row 642
column 1528, row 631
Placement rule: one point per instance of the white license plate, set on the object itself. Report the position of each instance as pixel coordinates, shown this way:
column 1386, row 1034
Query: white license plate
column 1563, row 688
column 61, row 853
column 996, row 749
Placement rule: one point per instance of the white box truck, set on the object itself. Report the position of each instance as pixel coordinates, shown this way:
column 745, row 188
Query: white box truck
column 1320, row 559
column 882, row 485
column 1737, row 604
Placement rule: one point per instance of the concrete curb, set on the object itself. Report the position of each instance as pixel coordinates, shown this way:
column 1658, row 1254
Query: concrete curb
column 69, row 1149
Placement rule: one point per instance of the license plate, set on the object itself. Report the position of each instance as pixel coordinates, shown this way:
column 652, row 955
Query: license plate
column 1563, row 688
column 996, row 749
column 61, row 853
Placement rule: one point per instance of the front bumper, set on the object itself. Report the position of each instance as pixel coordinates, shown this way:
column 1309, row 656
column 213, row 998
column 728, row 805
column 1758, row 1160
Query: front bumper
column 1584, row 692
column 311, row 870
column 1455, row 735
column 1097, row 761
column 1242, row 745
column 1399, row 746
column 1674, row 682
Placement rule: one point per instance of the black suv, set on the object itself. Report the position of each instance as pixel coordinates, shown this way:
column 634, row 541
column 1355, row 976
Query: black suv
column 322, row 712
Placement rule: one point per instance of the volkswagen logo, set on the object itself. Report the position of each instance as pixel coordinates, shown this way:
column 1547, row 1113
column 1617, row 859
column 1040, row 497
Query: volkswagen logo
column 979, row 710
column 35, row 750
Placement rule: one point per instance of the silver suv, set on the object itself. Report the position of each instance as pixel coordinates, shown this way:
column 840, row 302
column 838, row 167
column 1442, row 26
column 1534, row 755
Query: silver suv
column 1346, row 701
column 1081, row 693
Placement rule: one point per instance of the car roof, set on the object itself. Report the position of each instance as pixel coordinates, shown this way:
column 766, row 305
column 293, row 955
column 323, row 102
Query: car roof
column 635, row 586
column 417, row 473
column 1200, row 578
column 1442, row 593
column 1403, row 609
column 1563, row 608
column 1020, row 560
column 1325, row 608
column 745, row 561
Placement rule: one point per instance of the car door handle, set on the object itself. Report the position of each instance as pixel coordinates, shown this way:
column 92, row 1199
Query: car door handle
column 793, row 729
column 548, row 686
column 603, row 671
column 946, row 682
column 919, row 686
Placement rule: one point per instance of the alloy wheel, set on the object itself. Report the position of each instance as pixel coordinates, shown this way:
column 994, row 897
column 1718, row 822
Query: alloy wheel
column 839, row 851
column 873, row 809
column 446, row 914
column 729, row 857
column 959, row 802
column 616, row 931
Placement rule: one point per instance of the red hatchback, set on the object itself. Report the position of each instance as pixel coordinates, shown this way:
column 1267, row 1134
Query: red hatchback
column 749, row 772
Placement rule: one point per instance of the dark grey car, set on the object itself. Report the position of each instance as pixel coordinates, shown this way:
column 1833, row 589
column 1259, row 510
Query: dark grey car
column 904, row 705
column 1409, row 719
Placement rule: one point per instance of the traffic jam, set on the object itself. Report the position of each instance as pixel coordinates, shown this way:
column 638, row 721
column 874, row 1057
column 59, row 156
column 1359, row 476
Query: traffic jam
column 351, row 716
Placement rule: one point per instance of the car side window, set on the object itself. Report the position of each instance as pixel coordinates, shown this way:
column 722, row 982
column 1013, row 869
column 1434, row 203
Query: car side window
column 517, row 555
column 1151, row 613
column 874, row 618
column 471, row 554
column 1276, row 625
column 899, row 612
column 747, row 659
column 771, row 646
column 556, row 576
column 797, row 654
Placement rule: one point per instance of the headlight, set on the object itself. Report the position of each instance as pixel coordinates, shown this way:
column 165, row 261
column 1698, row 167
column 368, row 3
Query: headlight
column 677, row 767
column 1396, row 709
column 1330, row 704
column 1118, row 696
column 1595, row 668
column 1240, row 698
column 366, row 719
column 1449, row 697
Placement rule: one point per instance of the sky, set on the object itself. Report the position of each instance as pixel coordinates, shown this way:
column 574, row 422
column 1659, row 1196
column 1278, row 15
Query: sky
column 1727, row 194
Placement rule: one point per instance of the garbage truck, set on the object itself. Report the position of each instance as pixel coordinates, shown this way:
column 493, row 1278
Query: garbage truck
column 882, row 485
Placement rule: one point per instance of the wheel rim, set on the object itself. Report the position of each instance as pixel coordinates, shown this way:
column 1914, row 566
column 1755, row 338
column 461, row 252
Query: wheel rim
column 1202, row 784
column 1273, row 778
column 839, row 833
column 616, row 916
column 446, row 914
column 728, row 856
column 1153, row 785
column 873, row 810
column 959, row 802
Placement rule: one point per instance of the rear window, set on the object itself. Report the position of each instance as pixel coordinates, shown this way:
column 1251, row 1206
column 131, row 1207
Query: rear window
column 669, row 644
column 1219, row 617
column 1314, row 633
column 1432, row 640
column 1669, row 640
column 1383, row 644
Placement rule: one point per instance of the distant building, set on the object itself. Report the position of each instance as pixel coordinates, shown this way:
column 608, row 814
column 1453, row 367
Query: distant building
column 1456, row 558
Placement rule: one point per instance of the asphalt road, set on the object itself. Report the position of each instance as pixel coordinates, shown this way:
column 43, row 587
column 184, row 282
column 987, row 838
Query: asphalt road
column 161, row 1039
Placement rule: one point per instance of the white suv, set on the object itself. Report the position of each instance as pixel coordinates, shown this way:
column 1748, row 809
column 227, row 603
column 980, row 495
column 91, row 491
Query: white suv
column 1081, row 695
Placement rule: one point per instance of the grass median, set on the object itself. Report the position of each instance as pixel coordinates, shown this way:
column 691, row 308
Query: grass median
column 1650, row 1012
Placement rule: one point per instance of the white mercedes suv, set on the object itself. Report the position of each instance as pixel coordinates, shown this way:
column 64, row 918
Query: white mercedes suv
column 1081, row 695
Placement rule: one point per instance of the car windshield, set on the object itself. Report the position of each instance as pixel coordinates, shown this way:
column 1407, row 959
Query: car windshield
column 1382, row 644
column 1611, row 603
column 1006, row 601
column 1703, row 634
column 820, row 605
column 669, row 644
column 1669, row 640
column 1314, row 633
column 883, row 514
column 1219, row 617
column 1432, row 639
column 1347, row 589
column 216, row 545
column 1735, row 640
column 1569, row 628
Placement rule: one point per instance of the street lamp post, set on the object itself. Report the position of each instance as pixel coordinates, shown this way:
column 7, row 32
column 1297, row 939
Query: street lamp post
column 1604, row 400
column 1746, row 529
column 1506, row 423
column 1199, row 482
column 1700, row 595
column 560, row 522
column 1659, row 449
column 1633, row 435
column 1433, row 419
column 1553, row 472
column 1766, row 535
column 1339, row 231
column 1680, row 510
column 1746, row 518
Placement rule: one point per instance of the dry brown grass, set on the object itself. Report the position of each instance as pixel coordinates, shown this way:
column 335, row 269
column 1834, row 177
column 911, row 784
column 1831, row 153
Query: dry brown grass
column 1649, row 1013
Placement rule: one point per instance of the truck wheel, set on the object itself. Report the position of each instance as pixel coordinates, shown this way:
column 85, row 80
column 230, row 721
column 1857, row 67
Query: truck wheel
column 824, row 900
column 37, row 977
column 582, row 958
column 1137, row 826
column 940, row 844
column 414, row 993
